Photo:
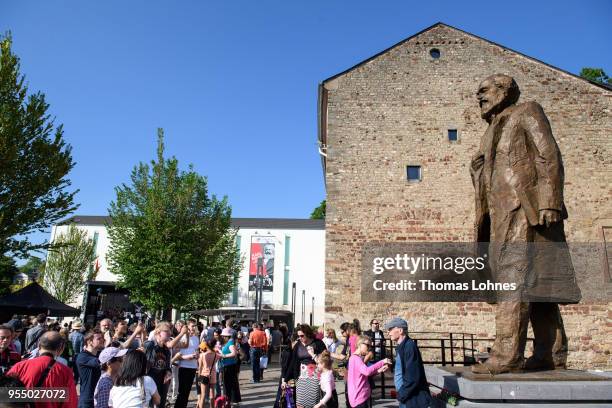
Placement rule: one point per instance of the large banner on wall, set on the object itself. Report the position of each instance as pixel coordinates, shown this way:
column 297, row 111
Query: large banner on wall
column 262, row 261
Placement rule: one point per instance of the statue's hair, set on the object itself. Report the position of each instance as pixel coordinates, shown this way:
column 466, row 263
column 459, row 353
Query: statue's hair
column 508, row 83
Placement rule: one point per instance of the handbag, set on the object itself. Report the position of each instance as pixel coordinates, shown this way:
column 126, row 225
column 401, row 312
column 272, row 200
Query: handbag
column 263, row 362
column 289, row 400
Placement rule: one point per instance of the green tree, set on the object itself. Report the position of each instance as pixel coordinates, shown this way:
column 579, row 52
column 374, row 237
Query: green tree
column 596, row 75
column 33, row 267
column 34, row 161
column 319, row 212
column 171, row 245
column 69, row 263
column 8, row 270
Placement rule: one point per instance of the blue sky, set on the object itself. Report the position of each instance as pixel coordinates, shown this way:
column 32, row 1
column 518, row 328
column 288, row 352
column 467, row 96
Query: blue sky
column 234, row 83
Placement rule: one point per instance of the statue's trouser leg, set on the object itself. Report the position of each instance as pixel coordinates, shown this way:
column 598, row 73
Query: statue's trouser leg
column 511, row 321
column 550, row 342
column 510, row 261
column 560, row 349
column 544, row 322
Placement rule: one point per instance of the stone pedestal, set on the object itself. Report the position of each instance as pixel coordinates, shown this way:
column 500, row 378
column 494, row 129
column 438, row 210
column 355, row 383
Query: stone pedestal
column 557, row 388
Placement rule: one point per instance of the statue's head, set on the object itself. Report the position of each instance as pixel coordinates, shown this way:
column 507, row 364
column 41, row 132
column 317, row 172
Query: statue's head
column 495, row 94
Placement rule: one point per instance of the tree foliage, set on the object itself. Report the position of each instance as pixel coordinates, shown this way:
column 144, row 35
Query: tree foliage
column 172, row 245
column 319, row 212
column 69, row 262
column 596, row 75
column 33, row 267
column 8, row 270
column 34, row 161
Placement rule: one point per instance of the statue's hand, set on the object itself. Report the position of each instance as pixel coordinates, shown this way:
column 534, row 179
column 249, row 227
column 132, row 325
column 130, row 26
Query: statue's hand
column 548, row 217
column 477, row 162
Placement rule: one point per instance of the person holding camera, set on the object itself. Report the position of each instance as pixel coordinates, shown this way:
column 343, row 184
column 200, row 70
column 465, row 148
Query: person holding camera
column 158, row 356
column 187, row 364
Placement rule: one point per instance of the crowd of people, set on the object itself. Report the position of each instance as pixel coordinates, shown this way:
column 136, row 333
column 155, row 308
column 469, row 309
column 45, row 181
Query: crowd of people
column 130, row 366
column 119, row 365
column 313, row 361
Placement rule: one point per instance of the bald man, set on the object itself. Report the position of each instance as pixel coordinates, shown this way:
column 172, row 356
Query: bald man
column 44, row 371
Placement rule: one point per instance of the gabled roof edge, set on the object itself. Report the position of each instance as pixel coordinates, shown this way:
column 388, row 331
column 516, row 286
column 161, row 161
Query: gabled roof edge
column 599, row 85
column 365, row 61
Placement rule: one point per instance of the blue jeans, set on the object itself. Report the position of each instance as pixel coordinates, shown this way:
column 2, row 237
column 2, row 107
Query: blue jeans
column 255, row 354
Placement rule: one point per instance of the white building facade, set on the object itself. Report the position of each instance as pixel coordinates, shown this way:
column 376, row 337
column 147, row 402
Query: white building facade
column 285, row 252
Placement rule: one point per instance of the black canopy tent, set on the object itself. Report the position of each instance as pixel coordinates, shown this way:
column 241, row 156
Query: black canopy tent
column 33, row 299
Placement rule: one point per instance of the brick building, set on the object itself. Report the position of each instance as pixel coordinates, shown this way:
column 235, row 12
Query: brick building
column 414, row 105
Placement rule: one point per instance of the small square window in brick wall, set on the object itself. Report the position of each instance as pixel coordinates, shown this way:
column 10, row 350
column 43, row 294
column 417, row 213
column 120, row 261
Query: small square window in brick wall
column 452, row 135
column 413, row 173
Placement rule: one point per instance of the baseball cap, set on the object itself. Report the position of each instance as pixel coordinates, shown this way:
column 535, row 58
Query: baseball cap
column 396, row 322
column 111, row 352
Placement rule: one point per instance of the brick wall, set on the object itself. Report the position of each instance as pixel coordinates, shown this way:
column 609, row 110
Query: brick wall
column 395, row 110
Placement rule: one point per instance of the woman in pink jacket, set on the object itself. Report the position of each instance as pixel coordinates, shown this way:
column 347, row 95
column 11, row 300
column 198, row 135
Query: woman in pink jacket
column 358, row 372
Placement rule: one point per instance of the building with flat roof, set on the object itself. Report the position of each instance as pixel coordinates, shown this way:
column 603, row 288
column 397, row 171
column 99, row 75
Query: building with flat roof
column 287, row 251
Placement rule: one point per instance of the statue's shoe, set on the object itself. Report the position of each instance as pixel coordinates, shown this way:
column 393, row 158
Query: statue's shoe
column 536, row 364
column 493, row 367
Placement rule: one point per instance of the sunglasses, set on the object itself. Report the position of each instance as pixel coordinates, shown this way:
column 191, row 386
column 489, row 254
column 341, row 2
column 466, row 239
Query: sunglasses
column 301, row 335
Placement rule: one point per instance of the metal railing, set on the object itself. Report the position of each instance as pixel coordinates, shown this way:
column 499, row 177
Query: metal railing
column 454, row 349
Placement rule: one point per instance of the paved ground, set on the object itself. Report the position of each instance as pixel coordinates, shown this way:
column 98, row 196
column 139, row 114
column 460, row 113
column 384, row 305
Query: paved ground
column 262, row 395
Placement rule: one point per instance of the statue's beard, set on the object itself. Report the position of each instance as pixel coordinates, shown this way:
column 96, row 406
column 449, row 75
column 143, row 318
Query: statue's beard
column 490, row 108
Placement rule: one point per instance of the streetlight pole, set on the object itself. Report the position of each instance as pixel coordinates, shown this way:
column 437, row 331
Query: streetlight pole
column 258, row 292
column 312, row 313
column 303, row 306
column 293, row 306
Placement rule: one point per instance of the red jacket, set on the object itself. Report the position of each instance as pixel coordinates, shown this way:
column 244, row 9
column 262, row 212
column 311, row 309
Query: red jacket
column 8, row 358
column 60, row 376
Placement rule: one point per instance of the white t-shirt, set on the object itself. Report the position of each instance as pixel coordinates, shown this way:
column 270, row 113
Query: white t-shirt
column 130, row 396
column 194, row 342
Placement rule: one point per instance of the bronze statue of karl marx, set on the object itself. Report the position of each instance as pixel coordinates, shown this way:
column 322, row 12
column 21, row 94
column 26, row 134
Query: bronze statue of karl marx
column 518, row 179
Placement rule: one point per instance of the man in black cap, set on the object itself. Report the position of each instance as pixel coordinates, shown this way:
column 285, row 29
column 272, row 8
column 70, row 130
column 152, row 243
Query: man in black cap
column 409, row 374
